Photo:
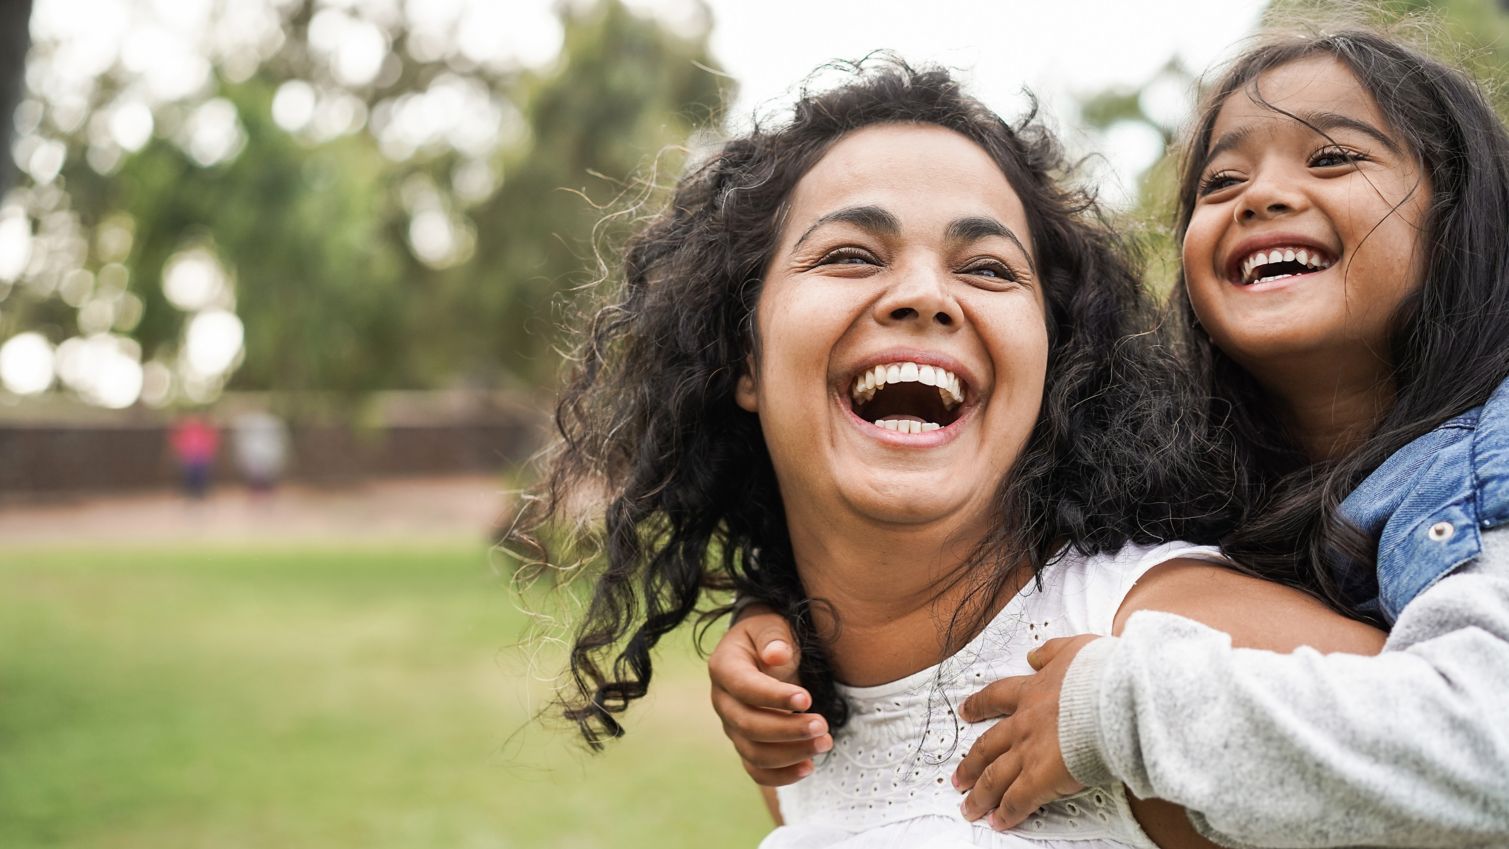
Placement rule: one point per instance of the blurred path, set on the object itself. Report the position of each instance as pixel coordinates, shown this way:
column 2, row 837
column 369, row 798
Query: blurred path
column 407, row 508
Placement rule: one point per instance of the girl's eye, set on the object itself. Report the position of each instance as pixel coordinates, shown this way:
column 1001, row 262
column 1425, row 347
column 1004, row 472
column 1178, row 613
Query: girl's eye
column 991, row 268
column 1216, row 182
column 1331, row 157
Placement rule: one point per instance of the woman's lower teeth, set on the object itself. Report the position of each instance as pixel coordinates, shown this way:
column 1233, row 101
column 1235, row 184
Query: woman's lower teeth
column 906, row 425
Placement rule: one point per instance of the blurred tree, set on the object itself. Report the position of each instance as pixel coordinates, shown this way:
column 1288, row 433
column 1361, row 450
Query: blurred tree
column 14, row 38
column 354, row 198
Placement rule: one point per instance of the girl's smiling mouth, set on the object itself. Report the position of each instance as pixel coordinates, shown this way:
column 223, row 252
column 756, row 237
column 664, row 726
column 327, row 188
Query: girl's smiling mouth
column 1275, row 258
column 905, row 396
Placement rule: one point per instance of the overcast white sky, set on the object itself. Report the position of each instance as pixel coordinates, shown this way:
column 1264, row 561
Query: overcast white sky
column 1057, row 48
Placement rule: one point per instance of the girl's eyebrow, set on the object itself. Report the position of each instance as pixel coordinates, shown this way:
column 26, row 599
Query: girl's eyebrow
column 1327, row 121
column 1321, row 122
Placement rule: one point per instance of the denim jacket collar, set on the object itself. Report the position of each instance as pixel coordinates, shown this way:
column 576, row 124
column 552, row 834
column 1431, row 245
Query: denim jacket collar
column 1427, row 505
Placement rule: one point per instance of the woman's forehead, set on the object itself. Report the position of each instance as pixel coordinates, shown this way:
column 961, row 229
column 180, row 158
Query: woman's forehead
column 908, row 169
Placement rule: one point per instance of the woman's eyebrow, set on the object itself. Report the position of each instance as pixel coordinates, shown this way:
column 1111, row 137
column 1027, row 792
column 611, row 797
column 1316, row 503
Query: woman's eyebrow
column 980, row 227
column 871, row 218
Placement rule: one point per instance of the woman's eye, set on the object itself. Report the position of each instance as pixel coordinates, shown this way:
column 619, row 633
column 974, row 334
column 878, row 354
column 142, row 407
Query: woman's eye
column 849, row 256
column 1217, row 181
column 991, row 268
column 1332, row 157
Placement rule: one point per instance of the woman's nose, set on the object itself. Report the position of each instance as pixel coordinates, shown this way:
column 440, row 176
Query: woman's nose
column 922, row 296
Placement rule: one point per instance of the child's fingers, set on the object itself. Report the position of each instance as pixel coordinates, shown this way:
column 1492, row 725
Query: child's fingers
column 996, row 741
column 986, row 794
column 738, row 674
column 774, row 756
column 1020, row 799
column 1045, row 653
column 999, row 698
column 779, row 777
column 770, row 726
column 778, row 657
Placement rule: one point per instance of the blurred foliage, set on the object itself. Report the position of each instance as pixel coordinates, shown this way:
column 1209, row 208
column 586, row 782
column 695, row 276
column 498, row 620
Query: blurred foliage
column 358, row 262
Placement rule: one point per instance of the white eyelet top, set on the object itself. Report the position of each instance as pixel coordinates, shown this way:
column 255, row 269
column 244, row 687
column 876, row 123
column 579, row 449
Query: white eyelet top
column 887, row 781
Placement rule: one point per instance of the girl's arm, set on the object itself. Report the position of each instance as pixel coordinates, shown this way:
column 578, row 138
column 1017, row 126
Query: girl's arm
column 1408, row 748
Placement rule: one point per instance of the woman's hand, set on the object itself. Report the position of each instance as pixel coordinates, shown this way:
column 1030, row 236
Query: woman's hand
column 754, row 692
column 1016, row 766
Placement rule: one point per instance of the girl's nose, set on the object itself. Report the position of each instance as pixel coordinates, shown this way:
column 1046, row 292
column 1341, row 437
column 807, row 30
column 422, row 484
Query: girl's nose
column 1268, row 197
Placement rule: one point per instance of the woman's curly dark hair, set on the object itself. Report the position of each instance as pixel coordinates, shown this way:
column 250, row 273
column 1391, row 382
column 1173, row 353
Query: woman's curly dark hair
column 1447, row 345
column 649, row 425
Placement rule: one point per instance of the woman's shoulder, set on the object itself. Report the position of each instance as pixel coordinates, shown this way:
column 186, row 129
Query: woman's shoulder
column 1090, row 588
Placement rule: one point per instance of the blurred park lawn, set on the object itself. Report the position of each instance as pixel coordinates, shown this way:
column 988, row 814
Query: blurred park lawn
column 324, row 696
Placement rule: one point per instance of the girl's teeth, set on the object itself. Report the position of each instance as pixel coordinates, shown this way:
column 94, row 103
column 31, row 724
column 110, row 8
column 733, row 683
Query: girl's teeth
column 1303, row 257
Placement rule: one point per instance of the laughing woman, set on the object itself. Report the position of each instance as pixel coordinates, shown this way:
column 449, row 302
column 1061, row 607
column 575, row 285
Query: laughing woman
column 876, row 369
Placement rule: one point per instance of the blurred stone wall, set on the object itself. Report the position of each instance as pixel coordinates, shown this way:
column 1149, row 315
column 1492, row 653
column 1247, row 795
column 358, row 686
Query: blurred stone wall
column 50, row 456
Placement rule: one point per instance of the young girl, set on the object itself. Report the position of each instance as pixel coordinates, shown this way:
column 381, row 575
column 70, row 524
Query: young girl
column 1342, row 218
column 876, row 369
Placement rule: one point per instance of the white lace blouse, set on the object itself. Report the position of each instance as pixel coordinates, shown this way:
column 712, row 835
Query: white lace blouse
column 887, row 781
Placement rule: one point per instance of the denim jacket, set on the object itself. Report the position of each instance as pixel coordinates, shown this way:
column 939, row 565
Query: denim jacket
column 1428, row 503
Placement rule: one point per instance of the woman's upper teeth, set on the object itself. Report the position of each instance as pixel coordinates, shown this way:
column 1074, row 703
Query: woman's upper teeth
column 875, row 378
column 1269, row 256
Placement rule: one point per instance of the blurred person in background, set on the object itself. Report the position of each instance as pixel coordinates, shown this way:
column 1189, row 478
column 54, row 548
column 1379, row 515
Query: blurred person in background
column 261, row 449
column 195, row 442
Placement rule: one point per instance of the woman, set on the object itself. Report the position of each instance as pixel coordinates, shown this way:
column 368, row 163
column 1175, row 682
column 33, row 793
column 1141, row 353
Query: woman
column 876, row 369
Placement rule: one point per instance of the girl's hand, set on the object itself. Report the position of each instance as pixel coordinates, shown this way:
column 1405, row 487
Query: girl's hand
column 1016, row 766
column 754, row 692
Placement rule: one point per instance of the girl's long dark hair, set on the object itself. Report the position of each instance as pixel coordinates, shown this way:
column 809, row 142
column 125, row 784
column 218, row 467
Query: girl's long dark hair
column 1449, row 342
column 648, row 425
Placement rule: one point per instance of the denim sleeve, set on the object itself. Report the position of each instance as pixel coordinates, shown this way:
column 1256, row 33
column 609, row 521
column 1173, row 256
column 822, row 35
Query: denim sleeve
column 1406, row 749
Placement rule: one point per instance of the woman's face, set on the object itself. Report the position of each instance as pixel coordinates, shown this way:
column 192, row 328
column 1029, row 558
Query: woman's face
column 1305, row 235
column 901, row 345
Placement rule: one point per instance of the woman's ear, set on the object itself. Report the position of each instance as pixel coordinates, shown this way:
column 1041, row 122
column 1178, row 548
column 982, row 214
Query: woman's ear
column 745, row 393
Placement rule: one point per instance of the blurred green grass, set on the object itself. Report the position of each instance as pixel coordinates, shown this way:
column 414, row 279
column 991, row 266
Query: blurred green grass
column 324, row 696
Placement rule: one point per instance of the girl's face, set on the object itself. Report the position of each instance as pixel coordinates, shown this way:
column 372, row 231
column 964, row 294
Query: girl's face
column 1307, row 231
column 902, row 344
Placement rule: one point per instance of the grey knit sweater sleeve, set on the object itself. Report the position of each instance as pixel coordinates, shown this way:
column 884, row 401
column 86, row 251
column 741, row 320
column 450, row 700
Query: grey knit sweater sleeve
column 1406, row 749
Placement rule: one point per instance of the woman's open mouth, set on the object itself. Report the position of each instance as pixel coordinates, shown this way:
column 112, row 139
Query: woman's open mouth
column 1269, row 265
column 907, row 397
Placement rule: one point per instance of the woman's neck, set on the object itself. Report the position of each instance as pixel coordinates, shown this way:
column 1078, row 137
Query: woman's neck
column 891, row 594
